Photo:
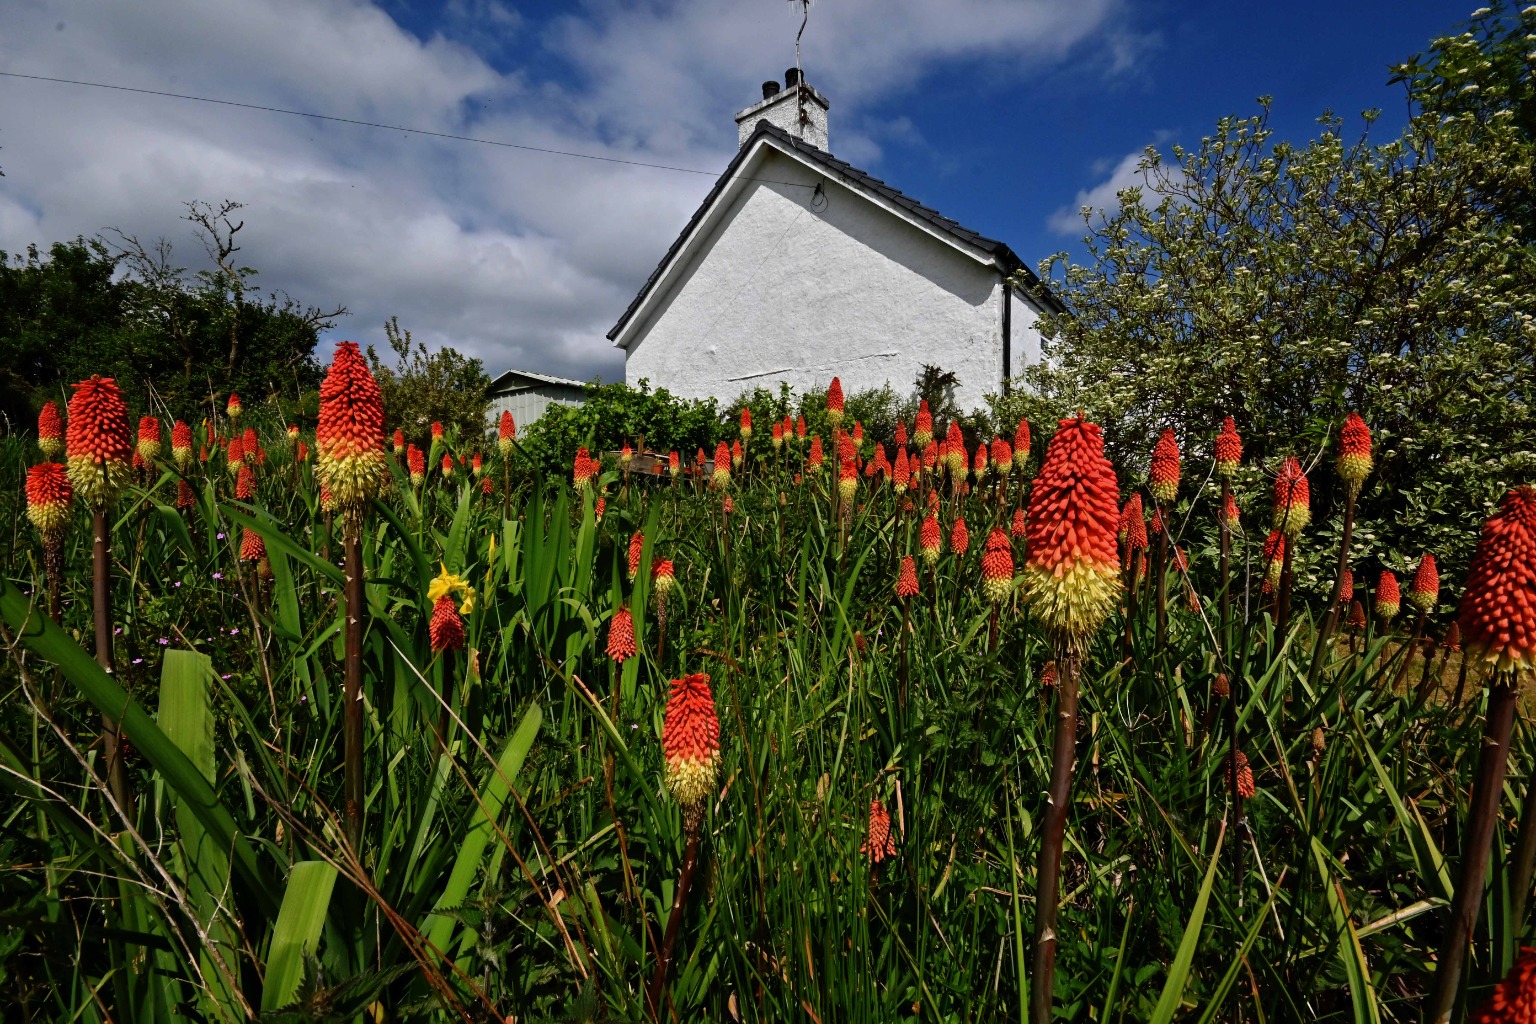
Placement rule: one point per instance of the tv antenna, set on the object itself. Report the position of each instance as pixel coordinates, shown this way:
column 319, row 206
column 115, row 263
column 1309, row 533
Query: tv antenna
column 805, row 16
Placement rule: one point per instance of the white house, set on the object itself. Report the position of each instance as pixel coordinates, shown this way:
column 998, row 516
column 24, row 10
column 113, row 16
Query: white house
column 798, row 267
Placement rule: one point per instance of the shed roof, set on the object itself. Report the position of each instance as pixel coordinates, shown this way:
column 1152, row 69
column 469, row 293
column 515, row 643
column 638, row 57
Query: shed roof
column 513, row 380
column 1007, row 260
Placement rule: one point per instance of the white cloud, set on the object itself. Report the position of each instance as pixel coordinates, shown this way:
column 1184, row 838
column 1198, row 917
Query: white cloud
column 519, row 258
column 1101, row 199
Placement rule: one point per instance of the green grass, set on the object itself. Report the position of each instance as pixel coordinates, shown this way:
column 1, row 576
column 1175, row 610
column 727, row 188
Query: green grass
column 524, row 865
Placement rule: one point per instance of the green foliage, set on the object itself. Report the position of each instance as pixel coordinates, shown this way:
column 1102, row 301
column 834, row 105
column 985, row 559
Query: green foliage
column 176, row 342
column 615, row 414
column 425, row 387
column 1285, row 285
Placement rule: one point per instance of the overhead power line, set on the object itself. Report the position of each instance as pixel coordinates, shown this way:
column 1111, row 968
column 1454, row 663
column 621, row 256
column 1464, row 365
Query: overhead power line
column 387, row 127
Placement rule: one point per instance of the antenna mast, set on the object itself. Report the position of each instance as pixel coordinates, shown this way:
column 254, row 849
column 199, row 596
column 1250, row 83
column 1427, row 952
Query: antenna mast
column 805, row 16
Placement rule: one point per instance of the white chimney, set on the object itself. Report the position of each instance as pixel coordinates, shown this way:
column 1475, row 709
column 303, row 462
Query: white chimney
column 797, row 108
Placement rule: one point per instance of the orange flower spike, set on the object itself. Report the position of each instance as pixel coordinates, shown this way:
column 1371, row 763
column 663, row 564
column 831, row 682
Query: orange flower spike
column 1293, row 499
column 922, row 432
column 437, row 432
column 1388, row 596
column 959, row 538
column 447, row 466
column 1002, row 455
column 349, row 440
column 847, row 480
column 621, row 636
column 1452, row 640
column 1164, row 483
column 98, row 444
column 997, row 567
column 800, row 427
column 488, row 485
column 416, row 464
column 955, row 453
column 1355, row 460
column 930, row 456
column 1229, row 449
column 1071, row 578
column 980, row 467
column 901, row 474
column 1274, row 557
column 602, row 503
column 636, row 549
column 736, row 453
column 50, row 431
column 1048, row 675
column 398, row 441
column 690, row 742
column 1233, row 516
column 722, row 475
column 778, row 435
column 250, row 445
column 1019, row 526
column 446, row 628
column 929, row 540
column 252, row 547
column 1514, row 999
column 1347, row 591
column 906, row 579
column 245, row 484
column 48, row 499
column 181, row 444
column 878, row 843
column 477, row 465
column 816, row 458
column 232, row 407
column 1498, row 609
column 185, row 498
column 582, row 470
column 149, row 438
column 674, row 464
column 835, row 402
column 1245, row 787
column 1021, row 443
column 506, row 433
column 901, row 434
column 746, row 423
column 1424, row 591
column 663, row 578
column 1356, row 618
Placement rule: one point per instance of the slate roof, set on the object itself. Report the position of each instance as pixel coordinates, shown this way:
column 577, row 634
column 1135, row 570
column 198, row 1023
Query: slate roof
column 500, row 384
column 848, row 174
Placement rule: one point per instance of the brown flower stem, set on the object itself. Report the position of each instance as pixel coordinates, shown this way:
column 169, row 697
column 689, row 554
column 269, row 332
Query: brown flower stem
column 53, row 568
column 992, row 632
column 444, row 719
column 1331, row 616
column 111, row 735
column 1161, row 571
column 1283, row 598
column 1525, row 858
column 674, row 920
column 1224, row 529
column 506, row 488
column 1048, row 872
column 325, row 543
column 1461, row 681
column 1131, row 603
column 906, row 629
column 1482, row 816
column 352, row 733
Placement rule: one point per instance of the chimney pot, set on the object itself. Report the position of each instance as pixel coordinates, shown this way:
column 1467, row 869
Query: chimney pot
column 770, row 90
column 791, row 78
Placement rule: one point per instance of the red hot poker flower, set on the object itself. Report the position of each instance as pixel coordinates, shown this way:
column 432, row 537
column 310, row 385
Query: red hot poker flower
column 245, row 484
column 232, row 407
column 959, row 538
column 878, row 844
column 746, row 422
column 184, row 495
column 1018, row 527
column 250, row 445
column 901, row 434
column 1388, row 596
column 980, row 468
column 736, row 453
column 1165, row 468
column 923, row 429
column 1229, row 449
column 929, row 539
column 50, row 431
column 1452, row 640
column 398, row 441
column 506, row 434
column 621, row 635
column 1274, row 557
column 1071, row 578
column 252, row 547
column 97, row 441
column 477, row 465
column 1514, row 999
column 447, row 466
column 1002, row 455
column 800, row 427
column 181, row 444
column 636, row 549
column 349, row 440
column 1498, row 610
column 149, row 438
column 1231, row 514
column 1021, row 443
column 416, row 464
column 835, row 402
column 1354, row 452
column 1245, row 788
column 1424, row 591
column 997, row 567
column 1293, row 499
column 48, row 499
column 722, row 465
column 690, row 741
column 582, row 469
column 663, row 578
column 778, row 435
column 906, row 580
column 446, row 628
column 1347, row 591
column 847, row 481
column 1135, row 524
column 815, row 459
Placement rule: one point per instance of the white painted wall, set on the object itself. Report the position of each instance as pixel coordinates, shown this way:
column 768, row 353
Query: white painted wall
column 779, row 291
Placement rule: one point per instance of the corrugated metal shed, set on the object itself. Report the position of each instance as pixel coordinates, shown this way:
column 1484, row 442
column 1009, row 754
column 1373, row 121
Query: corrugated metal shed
column 526, row 395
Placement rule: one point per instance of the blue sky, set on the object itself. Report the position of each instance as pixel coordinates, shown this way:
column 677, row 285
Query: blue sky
column 1003, row 114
